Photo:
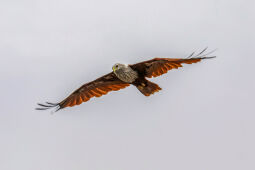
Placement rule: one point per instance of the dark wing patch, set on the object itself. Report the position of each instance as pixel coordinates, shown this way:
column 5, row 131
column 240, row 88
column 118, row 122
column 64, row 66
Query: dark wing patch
column 96, row 88
column 159, row 66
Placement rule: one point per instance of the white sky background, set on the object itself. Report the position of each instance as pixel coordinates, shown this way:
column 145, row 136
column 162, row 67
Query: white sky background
column 203, row 119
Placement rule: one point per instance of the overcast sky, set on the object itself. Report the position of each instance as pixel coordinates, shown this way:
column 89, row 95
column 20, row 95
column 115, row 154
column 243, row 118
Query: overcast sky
column 203, row 119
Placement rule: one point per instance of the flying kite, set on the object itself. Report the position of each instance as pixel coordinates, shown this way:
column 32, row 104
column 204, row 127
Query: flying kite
column 124, row 75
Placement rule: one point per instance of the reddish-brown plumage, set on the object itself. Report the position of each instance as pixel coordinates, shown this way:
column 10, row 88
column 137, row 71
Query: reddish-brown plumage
column 96, row 88
column 159, row 66
column 110, row 82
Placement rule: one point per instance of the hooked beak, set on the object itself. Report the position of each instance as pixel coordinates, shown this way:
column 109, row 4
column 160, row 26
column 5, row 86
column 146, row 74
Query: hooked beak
column 113, row 68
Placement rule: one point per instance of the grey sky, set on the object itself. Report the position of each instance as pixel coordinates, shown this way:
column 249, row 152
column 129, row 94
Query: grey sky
column 203, row 119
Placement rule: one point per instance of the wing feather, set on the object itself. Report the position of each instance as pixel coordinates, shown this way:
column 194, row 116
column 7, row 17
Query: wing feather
column 96, row 88
column 159, row 66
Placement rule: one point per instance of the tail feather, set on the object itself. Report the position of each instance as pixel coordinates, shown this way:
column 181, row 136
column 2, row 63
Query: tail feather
column 148, row 88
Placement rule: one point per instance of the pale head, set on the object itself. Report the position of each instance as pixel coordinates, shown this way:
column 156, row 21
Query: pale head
column 118, row 66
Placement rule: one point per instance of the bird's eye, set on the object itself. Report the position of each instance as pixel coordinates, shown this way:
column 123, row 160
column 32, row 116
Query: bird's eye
column 117, row 66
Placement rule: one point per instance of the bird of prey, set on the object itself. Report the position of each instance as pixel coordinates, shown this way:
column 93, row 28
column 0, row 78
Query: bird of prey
column 124, row 75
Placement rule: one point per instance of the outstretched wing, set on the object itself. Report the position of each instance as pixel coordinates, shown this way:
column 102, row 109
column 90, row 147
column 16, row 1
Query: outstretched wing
column 159, row 66
column 96, row 88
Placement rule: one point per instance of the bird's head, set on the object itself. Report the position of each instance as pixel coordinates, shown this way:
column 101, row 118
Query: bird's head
column 118, row 66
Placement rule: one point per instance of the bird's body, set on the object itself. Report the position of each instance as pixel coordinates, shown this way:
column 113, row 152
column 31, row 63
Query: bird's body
column 135, row 77
column 124, row 75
